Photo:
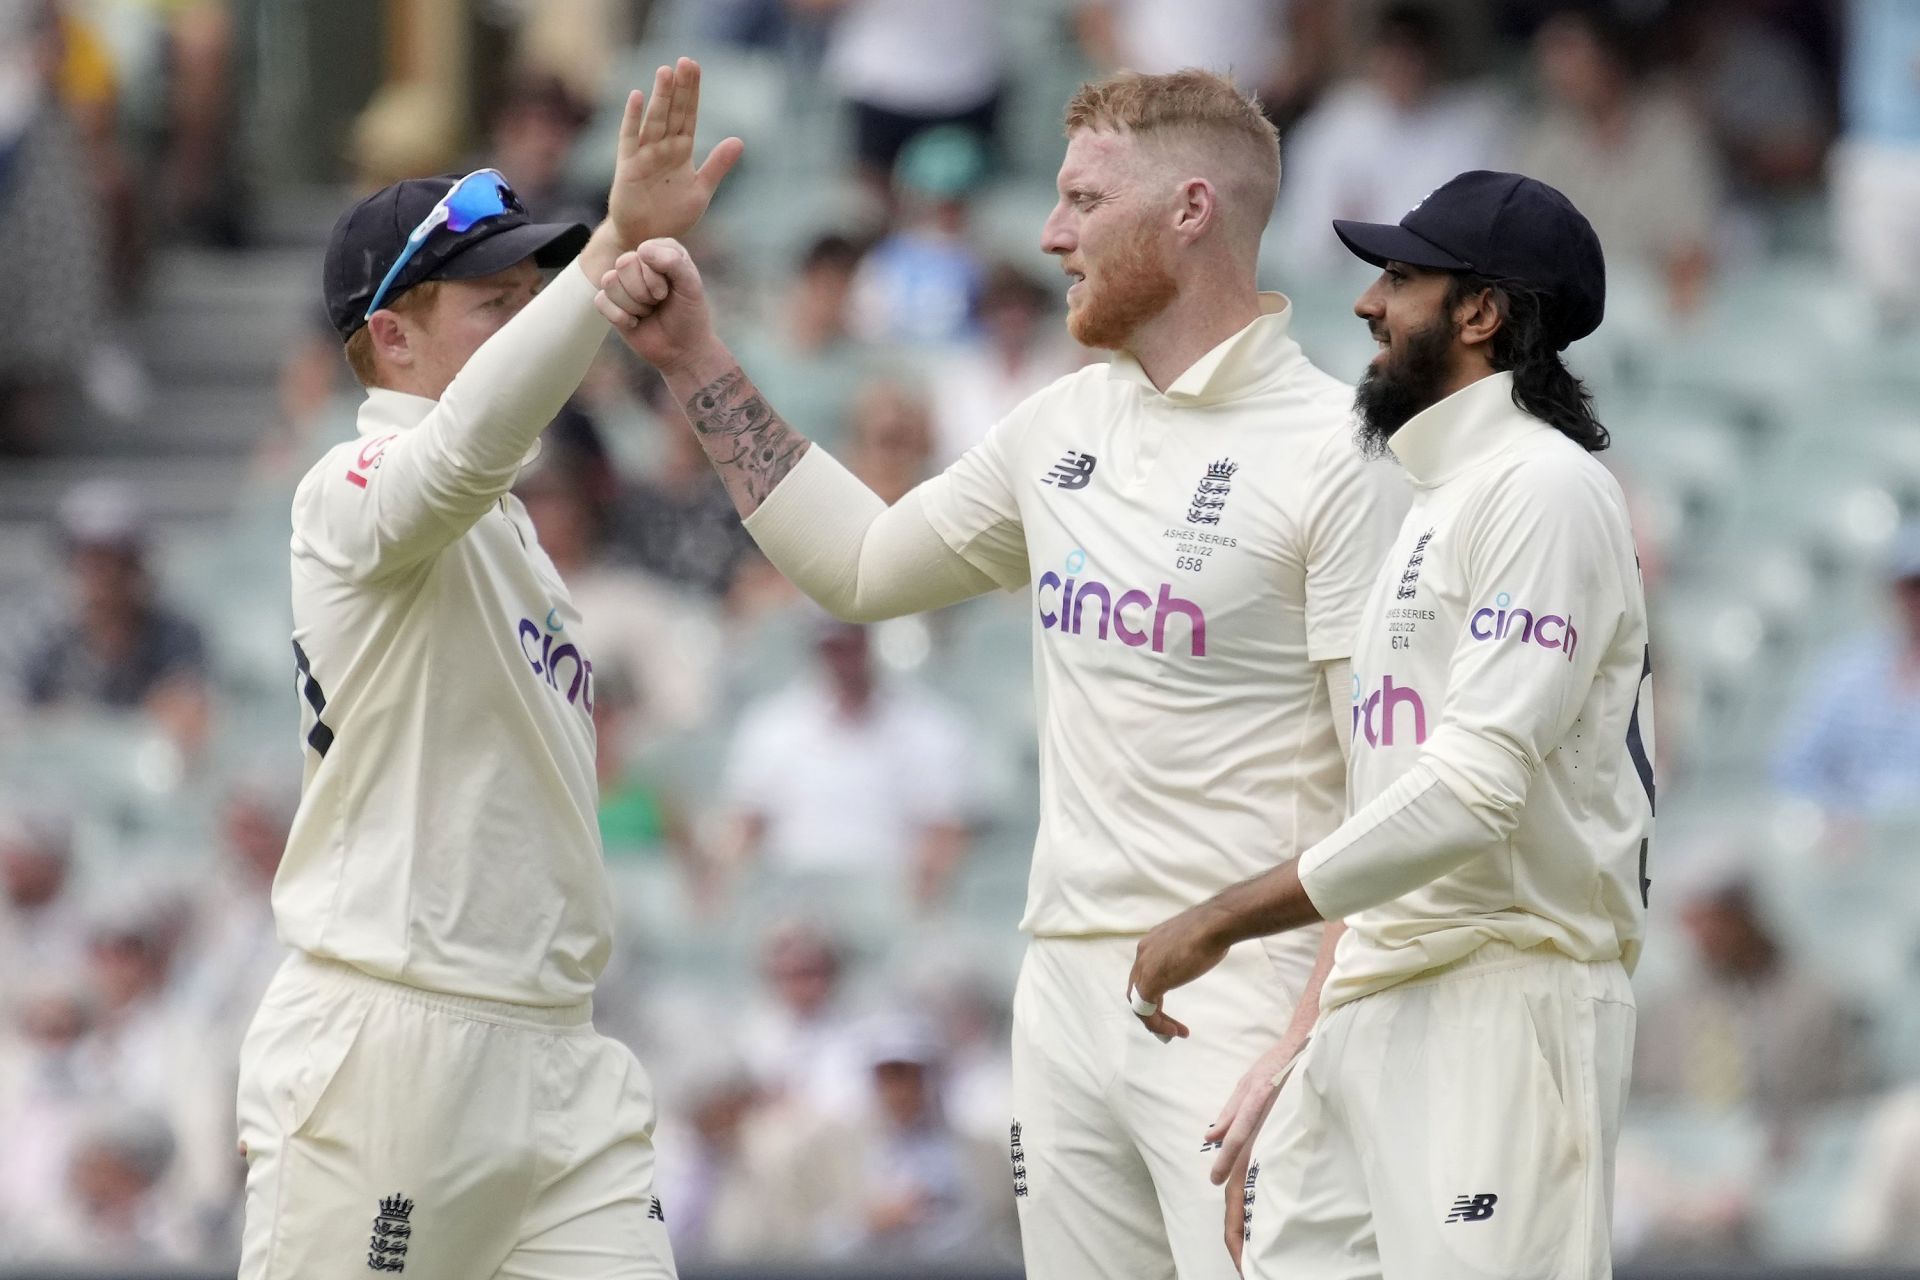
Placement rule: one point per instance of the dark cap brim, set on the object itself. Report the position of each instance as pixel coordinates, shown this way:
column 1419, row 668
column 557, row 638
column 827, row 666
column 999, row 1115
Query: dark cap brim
column 549, row 244
column 1384, row 242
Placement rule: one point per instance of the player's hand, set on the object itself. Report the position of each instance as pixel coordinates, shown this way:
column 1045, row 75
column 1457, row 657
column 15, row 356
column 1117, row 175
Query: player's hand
column 1240, row 1123
column 1172, row 955
column 656, row 190
column 1246, row 1110
column 655, row 299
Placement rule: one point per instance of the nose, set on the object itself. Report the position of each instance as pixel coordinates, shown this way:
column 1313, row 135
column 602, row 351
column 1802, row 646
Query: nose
column 1372, row 305
column 1056, row 237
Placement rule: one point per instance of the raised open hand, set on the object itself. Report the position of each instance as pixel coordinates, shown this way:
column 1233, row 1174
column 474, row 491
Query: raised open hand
column 656, row 191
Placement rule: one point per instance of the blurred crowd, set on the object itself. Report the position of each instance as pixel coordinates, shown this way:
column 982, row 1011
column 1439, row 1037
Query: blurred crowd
column 817, row 831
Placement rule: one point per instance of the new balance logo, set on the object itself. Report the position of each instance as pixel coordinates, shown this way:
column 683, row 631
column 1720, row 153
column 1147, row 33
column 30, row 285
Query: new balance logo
column 654, row 1212
column 1473, row 1208
column 1019, row 1164
column 1074, row 471
column 392, row 1229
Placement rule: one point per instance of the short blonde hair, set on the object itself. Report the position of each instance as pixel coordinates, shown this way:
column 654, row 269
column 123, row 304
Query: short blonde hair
column 1133, row 102
column 360, row 344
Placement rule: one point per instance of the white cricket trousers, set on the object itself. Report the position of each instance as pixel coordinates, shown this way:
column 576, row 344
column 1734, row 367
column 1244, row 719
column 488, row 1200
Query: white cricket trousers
column 1458, row 1126
column 1110, row 1172
column 389, row 1129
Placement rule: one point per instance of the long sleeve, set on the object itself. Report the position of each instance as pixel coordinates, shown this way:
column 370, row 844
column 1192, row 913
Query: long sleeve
column 858, row 558
column 381, row 505
column 1538, row 549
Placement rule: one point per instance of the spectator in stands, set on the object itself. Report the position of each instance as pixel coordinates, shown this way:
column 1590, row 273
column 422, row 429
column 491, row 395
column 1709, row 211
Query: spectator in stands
column 116, row 1211
column 42, row 928
column 845, row 773
column 971, row 1009
column 896, row 1182
column 716, row 1172
column 150, row 1051
column 1021, row 348
column 1285, row 50
column 119, row 649
column 676, row 521
column 1880, row 1218
column 1760, row 93
column 1854, row 742
column 232, row 950
column 797, row 1035
column 538, row 119
column 52, row 260
column 45, row 1090
column 1631, row 155
column 1377, row 143
column 1876, row 190
column 922, row 282
column 891, row 445
column 661, row 638
column 908, row 66
column 1751, row 1029
column 806, row 359
column 639, row 813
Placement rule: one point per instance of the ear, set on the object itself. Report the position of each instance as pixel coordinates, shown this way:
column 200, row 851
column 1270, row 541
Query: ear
column 1197, row 210
column 1478, row 317
column 392, row 343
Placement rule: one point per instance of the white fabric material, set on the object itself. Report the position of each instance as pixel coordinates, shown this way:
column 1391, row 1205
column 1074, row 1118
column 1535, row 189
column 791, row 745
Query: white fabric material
column 849, row 795
column 858, row 558
column 1186, row 738
column 1501, row 727
column 1109, row 1176
column 1876, row 211
column 522, row 1137
column 918, row 57
column 447, row 837
column 1358, row 155
column 1458, row 1127
column 1244, row 38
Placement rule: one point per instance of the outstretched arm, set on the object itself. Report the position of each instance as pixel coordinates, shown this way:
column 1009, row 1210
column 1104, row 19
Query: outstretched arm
column 400, row 499
column 828, row 533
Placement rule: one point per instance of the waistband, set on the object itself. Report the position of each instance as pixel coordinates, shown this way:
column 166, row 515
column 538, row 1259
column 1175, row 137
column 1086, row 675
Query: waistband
column 1494, row 955
column 337, row 975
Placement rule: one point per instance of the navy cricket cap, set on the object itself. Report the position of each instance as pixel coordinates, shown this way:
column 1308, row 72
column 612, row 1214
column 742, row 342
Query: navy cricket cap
column 373, row 233
column 1504, row 226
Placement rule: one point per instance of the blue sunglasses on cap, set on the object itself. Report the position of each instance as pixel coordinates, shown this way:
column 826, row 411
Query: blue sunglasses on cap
column 480, row 195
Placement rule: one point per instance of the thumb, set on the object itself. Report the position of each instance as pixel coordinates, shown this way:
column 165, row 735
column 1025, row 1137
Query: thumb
column 720, row 161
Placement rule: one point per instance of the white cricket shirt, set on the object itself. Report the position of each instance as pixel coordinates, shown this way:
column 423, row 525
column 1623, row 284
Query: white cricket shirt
column 1501, row 770
column 446, row 836
column 1191, row 557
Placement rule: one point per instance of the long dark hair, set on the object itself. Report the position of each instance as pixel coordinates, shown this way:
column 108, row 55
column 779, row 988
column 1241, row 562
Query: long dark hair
column 1542, row 384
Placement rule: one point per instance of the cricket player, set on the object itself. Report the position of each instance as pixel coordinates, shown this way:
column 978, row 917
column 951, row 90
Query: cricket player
column 1195, row 529
column 422, row 1089
column 1456, row 1110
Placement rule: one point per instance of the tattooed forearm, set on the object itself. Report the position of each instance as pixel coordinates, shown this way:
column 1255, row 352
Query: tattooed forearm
column 751, row 446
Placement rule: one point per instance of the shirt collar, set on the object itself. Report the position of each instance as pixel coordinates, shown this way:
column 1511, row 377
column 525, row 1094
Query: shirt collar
column 385, row 411
column 1257, row 354
column 1473, row 423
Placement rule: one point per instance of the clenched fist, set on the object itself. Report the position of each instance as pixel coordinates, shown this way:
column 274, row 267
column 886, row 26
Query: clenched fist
column 654, row 297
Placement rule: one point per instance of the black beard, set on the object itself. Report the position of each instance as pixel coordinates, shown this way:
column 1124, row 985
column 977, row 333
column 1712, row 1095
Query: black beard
column 1402, row 386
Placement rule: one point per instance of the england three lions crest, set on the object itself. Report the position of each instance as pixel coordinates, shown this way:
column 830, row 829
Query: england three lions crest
column 1210, row 498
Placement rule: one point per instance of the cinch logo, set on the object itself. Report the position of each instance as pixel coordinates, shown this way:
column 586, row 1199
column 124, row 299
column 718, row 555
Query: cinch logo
column 549, row 661
column 1075, row 594
column 1377, row 715
column 1549, row 630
